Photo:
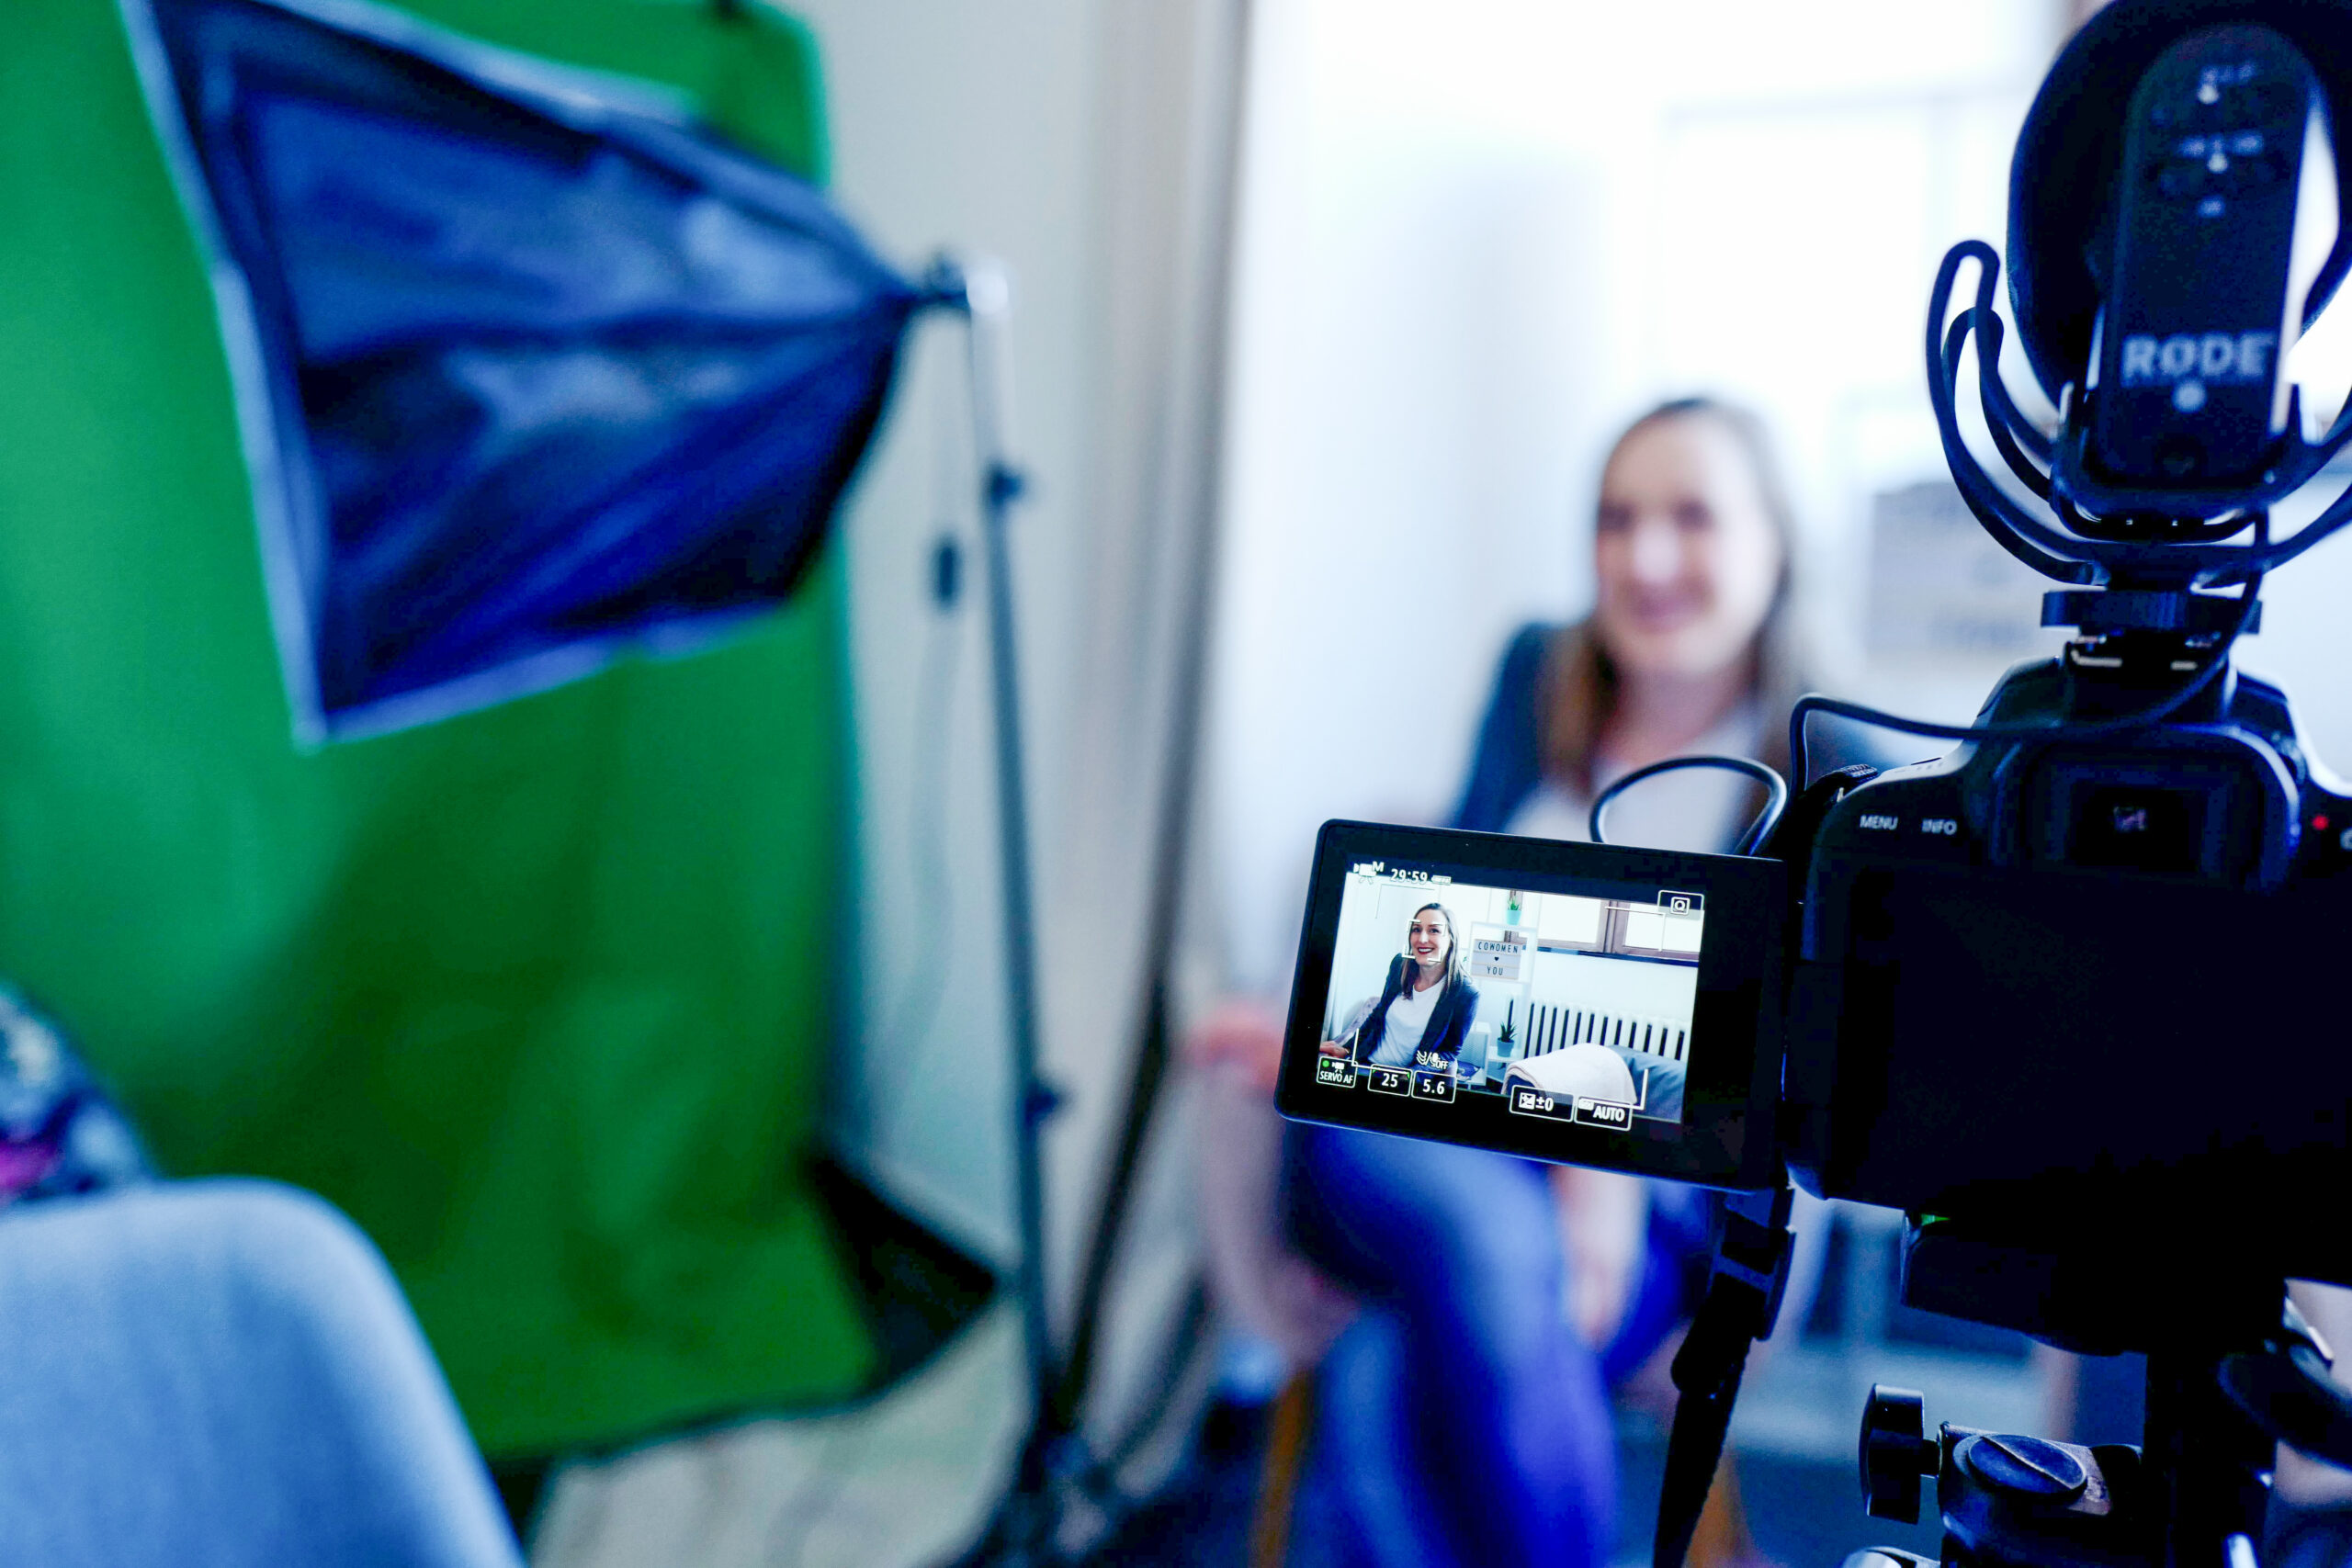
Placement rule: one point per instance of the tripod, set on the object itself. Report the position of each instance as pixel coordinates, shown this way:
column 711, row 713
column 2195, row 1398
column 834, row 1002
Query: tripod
column 2233, row 1371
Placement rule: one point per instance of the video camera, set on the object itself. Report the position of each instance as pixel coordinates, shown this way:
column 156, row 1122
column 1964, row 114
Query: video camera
column 2064, row 995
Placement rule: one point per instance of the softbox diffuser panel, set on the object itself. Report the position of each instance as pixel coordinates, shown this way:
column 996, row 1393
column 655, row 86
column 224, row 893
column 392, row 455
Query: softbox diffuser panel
column 531, row 369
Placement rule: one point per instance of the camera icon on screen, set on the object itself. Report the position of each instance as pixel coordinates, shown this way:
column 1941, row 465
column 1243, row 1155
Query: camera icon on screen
column 1681, row 903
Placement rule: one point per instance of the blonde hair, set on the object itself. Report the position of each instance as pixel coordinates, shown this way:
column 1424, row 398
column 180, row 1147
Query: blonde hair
column 1578, row 687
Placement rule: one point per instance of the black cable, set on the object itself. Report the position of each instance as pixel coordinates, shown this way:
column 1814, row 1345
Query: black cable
column 1994, row 398
column 2001, row 409
column 1776, row 793
column 2027, row 434
column 1707, row 1374
column 1190, row 1333
column 1814, row 701
column 1747, row 1273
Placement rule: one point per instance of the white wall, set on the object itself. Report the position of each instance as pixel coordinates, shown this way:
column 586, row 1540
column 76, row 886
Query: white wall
column 1618, row 988
column 1475, row 239
column 964, row 126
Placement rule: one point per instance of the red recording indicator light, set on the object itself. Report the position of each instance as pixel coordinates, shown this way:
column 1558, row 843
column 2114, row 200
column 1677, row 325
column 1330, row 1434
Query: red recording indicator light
column 2319, row 824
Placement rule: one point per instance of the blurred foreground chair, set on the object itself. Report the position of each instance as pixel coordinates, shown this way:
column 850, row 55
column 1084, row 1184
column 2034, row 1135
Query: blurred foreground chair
column 221, row 1374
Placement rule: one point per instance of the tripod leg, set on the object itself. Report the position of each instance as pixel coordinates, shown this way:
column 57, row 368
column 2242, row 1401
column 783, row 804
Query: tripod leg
column 1286, row 1437
column 2204, row 1457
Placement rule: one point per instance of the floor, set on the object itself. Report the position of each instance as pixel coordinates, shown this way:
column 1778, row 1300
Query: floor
column 909, row 1480
column 905, row 1481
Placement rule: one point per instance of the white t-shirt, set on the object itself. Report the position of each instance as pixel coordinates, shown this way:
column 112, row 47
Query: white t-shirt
column 1701, row 811
column 1408, row 1019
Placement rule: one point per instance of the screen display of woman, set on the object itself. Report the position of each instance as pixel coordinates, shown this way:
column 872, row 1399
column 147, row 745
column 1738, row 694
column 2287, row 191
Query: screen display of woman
column 1572, row 1001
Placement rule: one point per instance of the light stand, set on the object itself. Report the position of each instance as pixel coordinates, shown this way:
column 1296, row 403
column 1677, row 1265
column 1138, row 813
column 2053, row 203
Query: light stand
column 1055, row 1476
column 1025, row 1525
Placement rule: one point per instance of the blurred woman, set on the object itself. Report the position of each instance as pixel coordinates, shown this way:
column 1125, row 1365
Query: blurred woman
column 1688, row 647
column 1465, row 1414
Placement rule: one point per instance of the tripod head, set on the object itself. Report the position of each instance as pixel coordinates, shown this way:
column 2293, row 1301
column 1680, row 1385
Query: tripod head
column 2234, row 1369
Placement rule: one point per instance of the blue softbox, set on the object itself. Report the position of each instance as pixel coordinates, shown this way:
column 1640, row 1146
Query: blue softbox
column 531, row 368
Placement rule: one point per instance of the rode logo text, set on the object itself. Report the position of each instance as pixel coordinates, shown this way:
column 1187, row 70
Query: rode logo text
column 2205, row 357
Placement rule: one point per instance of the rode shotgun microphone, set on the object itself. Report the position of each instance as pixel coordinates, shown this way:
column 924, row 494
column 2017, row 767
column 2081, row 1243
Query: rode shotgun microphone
column 2225, row 211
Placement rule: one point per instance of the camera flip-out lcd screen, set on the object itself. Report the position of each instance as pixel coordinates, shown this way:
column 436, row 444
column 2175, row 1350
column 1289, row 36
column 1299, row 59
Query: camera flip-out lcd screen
column 1567, row 1002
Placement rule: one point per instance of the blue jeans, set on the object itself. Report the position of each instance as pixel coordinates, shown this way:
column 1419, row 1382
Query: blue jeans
column 1467, row 1421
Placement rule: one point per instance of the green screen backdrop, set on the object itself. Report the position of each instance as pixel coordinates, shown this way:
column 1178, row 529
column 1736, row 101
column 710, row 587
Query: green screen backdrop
column 541, row 996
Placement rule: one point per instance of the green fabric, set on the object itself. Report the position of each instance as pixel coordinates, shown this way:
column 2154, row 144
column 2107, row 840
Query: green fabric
column 541, row 996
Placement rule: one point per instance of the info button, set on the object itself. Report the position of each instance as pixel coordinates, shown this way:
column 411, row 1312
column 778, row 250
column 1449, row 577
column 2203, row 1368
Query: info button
column 1937, row 833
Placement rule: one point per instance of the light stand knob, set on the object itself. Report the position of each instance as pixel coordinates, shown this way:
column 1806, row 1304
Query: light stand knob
column 1894, row 1453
